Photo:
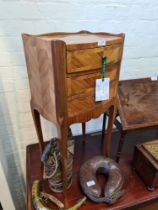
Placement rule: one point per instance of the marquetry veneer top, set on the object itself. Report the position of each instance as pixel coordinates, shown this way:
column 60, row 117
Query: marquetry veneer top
column 82, row 40
column 138, row 103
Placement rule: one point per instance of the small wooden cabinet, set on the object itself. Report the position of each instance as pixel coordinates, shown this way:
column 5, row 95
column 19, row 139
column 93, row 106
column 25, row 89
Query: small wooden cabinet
column 145, row 163
column 62, row 69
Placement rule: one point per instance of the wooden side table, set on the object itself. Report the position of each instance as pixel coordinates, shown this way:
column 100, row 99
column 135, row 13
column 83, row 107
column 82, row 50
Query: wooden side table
column 137, row 107
column 62, row 70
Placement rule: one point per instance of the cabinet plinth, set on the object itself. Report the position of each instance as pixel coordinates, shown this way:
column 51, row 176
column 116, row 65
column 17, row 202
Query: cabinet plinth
column 62, row 70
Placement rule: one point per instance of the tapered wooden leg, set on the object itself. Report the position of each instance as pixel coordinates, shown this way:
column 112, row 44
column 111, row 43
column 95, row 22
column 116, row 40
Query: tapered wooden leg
column 103, row 130
column 109, row 131
column 37, row 122
column 120, row 146
column 63, row 152
column 84, row 131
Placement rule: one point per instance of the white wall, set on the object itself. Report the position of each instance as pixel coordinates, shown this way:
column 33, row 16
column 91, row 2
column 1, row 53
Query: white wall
column 137, row 18
column 6, row 199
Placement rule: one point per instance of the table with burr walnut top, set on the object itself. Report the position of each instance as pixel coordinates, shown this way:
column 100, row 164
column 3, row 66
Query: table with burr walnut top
column 137, row 107
column 62, row 69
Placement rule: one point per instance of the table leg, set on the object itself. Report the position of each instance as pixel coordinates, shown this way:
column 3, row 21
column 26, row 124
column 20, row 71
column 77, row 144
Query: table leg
column 84, row 131
column 120, row 146
column 37, row 123
column 109, row 130
column 63, row 151
column 103, row 129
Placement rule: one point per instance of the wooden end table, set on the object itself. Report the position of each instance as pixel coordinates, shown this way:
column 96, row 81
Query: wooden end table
column 62, row 71
column 137, row 107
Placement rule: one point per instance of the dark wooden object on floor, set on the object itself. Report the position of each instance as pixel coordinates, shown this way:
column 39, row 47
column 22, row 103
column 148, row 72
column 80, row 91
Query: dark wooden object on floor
column 136, row 196
column 62, row 70
column 137, row 107
column 146, row 164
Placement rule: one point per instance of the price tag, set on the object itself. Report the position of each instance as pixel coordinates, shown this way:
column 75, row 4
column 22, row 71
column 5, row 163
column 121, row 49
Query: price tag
column 101, row 42
column 90, row 183
column 153, row 78
column 102, row 89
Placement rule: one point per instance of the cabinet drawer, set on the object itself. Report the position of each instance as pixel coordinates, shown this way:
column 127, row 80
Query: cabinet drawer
column 85, row 105
column 85, row 84
column 90, row 59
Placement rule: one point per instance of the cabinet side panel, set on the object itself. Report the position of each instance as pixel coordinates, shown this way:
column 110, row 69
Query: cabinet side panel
column 41, row 78
column 59, row 52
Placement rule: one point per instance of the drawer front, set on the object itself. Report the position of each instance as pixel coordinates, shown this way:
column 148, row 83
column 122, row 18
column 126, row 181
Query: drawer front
column 85, row 84
column 86, row 106
column 90, row 59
